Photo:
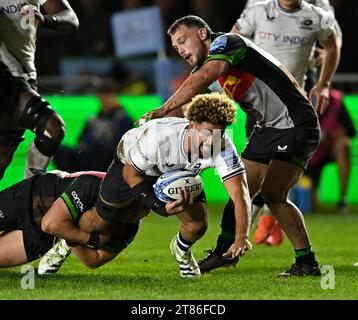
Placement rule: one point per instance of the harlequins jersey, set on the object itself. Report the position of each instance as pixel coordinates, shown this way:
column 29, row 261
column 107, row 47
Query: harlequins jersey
column 259, row 83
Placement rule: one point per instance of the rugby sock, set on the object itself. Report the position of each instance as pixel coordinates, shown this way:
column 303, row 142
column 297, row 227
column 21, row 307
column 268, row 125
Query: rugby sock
column 228, row 222
column 257, row 204
column 64, row 247
column 35, row 161
column 306, row 256
column 182, row 244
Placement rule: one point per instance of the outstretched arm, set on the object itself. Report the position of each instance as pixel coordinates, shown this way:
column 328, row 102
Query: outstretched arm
column 238, row 191
column 195, row 84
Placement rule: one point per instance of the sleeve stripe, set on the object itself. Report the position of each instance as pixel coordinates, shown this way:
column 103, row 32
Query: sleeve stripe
column 219, row 57
column 236, row 173
column 70, row 206
column 234, row 58
column 134, row 165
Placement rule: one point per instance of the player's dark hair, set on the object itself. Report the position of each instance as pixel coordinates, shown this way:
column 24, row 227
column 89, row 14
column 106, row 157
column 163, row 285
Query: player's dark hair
column 189, row 21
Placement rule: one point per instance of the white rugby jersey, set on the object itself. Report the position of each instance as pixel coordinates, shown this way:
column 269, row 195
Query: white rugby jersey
column 288, row 35
column 324, row 4
column 158, row 147
column 18, row 38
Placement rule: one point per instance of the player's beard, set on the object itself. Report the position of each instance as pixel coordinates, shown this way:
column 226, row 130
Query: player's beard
column 200, row 56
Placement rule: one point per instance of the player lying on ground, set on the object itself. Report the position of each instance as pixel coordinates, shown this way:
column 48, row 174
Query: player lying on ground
column 52, row 203
column 164, row 145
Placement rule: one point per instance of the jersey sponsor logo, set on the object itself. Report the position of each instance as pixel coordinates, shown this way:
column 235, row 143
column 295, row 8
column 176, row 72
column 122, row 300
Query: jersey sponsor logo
column 281, row 38
column 307, row 22
column 11, row 9
column 195, row 169
column 236, row 83
column 218, row 44
column 230, row 85
column 282, row 149
column 231, row 159
column 78, row 203
column 2, row 216
column 141, row 153
column 269, row 17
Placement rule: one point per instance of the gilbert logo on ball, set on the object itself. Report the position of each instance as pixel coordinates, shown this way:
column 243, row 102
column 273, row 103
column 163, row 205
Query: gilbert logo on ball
column 168, row 185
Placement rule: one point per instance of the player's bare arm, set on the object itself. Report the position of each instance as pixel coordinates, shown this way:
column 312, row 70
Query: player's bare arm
column 331, row 56
column 58, row 222
column 93, row 258
column 136, row 181
column 195, row 84
column 238, row 191
column 143, row 191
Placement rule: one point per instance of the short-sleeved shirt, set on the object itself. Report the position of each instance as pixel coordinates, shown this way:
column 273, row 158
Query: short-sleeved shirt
column 18, row 38
column 260, row 83
column 158, row 147
column 289, row 36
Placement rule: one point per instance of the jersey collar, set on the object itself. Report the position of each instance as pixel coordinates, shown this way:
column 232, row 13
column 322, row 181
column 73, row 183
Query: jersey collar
column 288, row 11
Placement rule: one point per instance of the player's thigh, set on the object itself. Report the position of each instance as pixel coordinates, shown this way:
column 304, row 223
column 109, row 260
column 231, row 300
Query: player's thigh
column 133, row 212
column 255, row 172
column 281, row 176
column 195, row 213
column 12, row 251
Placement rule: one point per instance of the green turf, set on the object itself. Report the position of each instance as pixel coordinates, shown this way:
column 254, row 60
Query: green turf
column 146, row 270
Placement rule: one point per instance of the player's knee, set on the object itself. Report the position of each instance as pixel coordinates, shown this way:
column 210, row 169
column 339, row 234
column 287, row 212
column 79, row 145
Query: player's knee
column 56, row 127
column 48, row 144
column 271, row 195
column 197, row 228
column 39, row 117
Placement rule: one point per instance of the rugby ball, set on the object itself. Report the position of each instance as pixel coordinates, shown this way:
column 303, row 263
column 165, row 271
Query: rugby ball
column 168, row 185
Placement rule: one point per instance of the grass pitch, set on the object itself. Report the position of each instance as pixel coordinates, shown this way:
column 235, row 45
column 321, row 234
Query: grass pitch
column 146, row 269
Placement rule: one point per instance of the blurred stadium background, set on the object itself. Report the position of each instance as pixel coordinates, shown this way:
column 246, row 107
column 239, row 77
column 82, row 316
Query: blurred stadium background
column 136, row 52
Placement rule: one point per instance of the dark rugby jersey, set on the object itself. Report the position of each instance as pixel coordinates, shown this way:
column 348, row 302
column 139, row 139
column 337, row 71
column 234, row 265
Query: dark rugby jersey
column 79, row 194
column 259, row 83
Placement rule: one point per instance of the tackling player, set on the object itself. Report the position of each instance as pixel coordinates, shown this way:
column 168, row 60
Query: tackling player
column 286, row 134
column 46, row 205
column 20, row 106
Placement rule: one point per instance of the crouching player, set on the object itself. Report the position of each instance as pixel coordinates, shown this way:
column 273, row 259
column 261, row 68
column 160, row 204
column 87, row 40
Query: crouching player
column 194, row 144
column 53, row 203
